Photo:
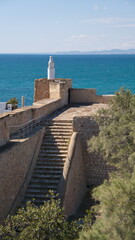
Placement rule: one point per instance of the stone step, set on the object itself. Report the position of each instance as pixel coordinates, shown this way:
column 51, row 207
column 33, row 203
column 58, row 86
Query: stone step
column 62, row 121
column 46, row 177
column 30, row 196
column 54, row 159
column 54, row 135
column 42, row 191
column 48, row 173
column 43, row 159
column 60, row 127
column 54, row 147
column 46, row 160
column 36, row 186
column 48, row 168
column 55, row 143
column 58, row 140
column 53, row 151
column 58, row 133
column 51, row 141
column 60, row 130
column 51, row 164
column 49, row 184
column 52, row 155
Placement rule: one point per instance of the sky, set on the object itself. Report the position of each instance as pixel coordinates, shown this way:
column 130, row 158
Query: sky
column 41, row 26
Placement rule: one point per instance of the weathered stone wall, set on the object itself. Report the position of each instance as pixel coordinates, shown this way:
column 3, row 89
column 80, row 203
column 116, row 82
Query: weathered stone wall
column 60, row 88
column 25, row 114
column 87, row 96
column 73, row 183
column 96, row 169
column 17, row 161
column 46, row 107
column 41, row 89
column 16, row 117
column 66, row 85
column 53, row 89
column 40, row 108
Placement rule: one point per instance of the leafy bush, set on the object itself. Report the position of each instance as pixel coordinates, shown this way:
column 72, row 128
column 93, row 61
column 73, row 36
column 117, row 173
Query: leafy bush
column 46, row 222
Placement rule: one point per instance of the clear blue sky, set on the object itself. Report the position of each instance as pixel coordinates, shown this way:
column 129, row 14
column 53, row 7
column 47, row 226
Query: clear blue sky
column 39, row 26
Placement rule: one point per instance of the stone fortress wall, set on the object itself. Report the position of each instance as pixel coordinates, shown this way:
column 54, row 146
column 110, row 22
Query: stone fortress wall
column 73, row 183
column 17, row 162
column 96, row 169
column 80, row 169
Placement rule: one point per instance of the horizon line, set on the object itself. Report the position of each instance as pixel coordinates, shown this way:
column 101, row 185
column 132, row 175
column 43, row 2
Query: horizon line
column 77, row 52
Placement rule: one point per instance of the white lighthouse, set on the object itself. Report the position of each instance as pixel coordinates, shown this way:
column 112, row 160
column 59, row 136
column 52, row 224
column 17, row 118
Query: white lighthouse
column 51, row 68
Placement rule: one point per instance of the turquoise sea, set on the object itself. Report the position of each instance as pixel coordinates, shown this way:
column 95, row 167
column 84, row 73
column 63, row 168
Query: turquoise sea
column 106, row 73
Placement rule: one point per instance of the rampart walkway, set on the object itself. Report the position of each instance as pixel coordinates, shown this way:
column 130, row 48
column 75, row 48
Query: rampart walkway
column 67, row 112
column 75, row 110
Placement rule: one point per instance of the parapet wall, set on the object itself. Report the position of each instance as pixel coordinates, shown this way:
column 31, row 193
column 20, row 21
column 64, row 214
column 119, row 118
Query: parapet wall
column 26, row 114
column 73, row 182
column 62, row 88
column 87, row 96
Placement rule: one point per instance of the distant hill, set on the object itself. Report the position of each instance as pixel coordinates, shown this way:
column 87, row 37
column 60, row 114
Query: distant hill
column 106, row 52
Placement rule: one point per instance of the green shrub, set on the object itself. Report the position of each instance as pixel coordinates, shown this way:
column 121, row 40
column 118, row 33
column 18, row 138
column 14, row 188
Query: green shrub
column 46, row 222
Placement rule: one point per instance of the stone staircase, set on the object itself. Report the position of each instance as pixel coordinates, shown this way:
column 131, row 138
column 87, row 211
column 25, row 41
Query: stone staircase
column 50, row 162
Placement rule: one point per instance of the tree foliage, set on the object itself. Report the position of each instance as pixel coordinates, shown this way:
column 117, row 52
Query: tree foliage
column 116, row 144
column 46, row 222
column 116, row 211
column 14, row 102
column 116, row 140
